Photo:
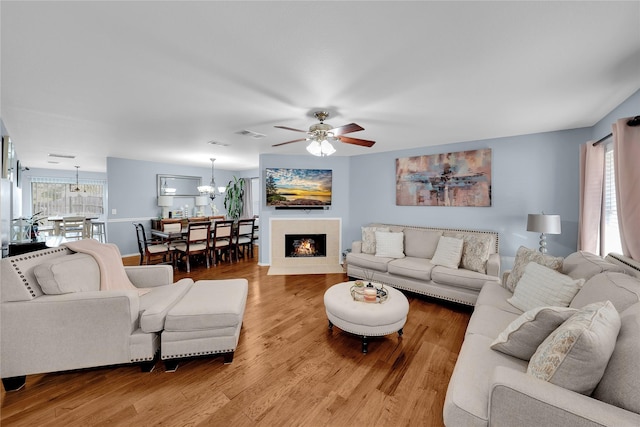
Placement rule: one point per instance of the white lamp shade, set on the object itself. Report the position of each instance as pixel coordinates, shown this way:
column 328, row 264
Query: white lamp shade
column 542, row 223
column 321, row 148
column 202, row 200
column 165, row 201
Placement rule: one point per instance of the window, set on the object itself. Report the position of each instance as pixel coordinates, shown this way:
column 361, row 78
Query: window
column 611, row 232
column 58, row 197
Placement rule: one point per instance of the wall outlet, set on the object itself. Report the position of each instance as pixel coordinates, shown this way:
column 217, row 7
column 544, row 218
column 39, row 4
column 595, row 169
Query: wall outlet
column 114, row 211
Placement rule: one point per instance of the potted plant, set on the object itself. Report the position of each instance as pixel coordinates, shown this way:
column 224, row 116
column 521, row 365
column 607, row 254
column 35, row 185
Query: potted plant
column 234, row 198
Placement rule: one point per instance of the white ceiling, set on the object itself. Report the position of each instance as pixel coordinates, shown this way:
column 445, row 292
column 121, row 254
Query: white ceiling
column 157, row 80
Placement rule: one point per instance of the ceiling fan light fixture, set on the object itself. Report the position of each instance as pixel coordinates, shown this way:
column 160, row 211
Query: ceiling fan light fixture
column 320, row 148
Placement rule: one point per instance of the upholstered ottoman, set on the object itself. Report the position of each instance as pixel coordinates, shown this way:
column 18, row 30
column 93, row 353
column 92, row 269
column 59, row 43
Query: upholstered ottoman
column 207, row 320
column 362, row 318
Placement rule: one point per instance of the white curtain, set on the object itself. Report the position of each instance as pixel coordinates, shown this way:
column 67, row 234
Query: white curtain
column 247, row 201
column 626, row 151
column 591, row 191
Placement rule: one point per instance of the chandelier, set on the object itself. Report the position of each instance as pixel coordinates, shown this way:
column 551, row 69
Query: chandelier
column 211, row 189
column 77, row 189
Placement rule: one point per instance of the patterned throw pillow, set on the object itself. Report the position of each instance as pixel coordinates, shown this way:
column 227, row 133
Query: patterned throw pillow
column 540, row 286
column 576, row 354
column 523, row 336
column 369, row 239
column 476, row 250
column 448, row 252
column 523, row 257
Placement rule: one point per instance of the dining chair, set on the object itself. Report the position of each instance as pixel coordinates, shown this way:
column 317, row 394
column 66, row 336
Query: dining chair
column 243, row 237
column 196, row 243
column 74, row 227
column 149, row 248
column 222, row 240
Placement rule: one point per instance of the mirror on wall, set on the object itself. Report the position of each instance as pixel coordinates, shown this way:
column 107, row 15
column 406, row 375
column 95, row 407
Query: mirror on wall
column 178, row 185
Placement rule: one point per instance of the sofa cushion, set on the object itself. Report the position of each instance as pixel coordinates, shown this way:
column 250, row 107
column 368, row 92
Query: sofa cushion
column 389, row 244
column 523, row 257
column 368, row 261
column 72, row 273
column 448, row 252
column 475, row 251
column 495, row 295
column 622, row 290
column 489, row 321
column 421, row 243
column 155, row 304
column 585, row 265
column 620, row 384
column 369, row 239
column 460, row 277
column 540, row 286
column 576, row 354
column 522, row 337
column 417, row 268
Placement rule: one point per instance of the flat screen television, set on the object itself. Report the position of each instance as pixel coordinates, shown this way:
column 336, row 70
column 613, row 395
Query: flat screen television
column 298, row 188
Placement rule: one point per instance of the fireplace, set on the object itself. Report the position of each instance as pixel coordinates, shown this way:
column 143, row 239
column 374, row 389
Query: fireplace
column 305, row 245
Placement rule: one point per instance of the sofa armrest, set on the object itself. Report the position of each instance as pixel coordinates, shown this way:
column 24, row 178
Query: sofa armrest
column 148, row 276
column 70, row 331
column 505, row 276
column 356, row 246
column 493, row 265
column 518, row 399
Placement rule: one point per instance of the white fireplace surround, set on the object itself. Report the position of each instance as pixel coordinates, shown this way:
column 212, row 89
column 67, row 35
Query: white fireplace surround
column 279, row 227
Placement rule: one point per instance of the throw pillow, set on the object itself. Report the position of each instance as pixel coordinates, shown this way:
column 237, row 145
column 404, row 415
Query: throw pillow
column 523, row 336
column 540, row 286
column 523, row 257
column 476, row 250
column 67, row 274
column 390, row 245
column 369, row 239
column 576, row 354
column 448, row 252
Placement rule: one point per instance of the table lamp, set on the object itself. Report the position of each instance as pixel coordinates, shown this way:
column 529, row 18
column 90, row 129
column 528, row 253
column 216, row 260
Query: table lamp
column 165, row 202
column 201, row 202
column 543, row 224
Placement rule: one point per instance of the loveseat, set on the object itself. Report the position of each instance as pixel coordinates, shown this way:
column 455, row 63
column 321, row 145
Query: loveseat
column 61, row 320
column 577, row 376
column 406, row 259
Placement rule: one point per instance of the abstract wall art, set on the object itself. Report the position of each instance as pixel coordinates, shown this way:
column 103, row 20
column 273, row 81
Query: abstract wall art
column 462, row 178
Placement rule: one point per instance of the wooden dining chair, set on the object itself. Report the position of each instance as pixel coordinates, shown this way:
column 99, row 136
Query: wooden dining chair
column 149, row 248
column 222, row 240
column 197, row 242
column 243, row 237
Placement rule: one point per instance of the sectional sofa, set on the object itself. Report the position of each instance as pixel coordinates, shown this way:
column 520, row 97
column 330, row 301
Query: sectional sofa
column 577, row 376
column 405, row 260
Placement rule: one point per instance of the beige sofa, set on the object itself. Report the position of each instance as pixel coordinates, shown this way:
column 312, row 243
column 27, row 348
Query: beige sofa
column 412, row 270
column 489, row 387
column 73, row 324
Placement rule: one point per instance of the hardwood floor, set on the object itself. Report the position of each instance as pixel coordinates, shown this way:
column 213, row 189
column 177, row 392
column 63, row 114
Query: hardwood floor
column 288, row 370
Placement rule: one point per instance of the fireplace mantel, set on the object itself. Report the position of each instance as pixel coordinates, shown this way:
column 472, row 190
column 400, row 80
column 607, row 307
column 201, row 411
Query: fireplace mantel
column 332, row 227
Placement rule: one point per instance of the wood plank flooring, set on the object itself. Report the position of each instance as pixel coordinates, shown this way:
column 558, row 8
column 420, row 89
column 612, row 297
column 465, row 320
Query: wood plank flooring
column 288, row 370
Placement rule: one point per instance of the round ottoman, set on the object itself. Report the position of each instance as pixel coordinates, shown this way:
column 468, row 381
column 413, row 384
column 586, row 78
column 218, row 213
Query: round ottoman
column 363, row 318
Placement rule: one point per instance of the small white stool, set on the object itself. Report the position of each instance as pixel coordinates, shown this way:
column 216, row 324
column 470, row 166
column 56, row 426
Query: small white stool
column 364, row 318
column 98, row 231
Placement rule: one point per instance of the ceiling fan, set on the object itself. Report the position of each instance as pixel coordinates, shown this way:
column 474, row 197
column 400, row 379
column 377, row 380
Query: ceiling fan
column 324, row 132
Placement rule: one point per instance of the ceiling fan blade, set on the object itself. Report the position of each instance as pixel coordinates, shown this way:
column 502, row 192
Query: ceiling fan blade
column 289, row 142
column 288, row 128
column 351, row 127
column 356, row 141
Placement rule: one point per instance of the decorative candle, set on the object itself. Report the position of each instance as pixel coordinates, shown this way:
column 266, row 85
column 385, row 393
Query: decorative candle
column 370, row 294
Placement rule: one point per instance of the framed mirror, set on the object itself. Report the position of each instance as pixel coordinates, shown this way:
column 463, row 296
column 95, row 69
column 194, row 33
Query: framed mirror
column 178, row 185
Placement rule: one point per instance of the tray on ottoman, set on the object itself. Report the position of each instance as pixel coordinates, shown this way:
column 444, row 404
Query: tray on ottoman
column 207, row 320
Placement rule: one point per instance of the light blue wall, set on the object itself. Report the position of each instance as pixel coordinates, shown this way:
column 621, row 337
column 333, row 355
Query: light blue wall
column 530, row 174
column 340, row 195
column 133, row 194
